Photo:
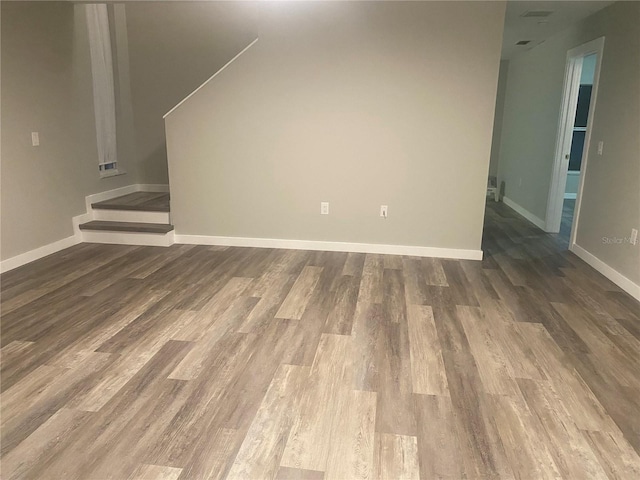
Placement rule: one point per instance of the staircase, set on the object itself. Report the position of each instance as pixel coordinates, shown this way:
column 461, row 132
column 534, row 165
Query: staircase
column 140, row 218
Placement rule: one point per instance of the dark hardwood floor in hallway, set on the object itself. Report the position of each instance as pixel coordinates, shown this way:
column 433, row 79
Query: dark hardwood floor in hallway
column 196, row 362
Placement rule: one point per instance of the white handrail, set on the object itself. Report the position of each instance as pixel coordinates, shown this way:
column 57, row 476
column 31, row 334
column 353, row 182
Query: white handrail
column 210, row 78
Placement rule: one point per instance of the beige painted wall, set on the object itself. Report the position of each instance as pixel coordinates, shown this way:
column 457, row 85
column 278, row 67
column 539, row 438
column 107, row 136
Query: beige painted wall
column 46, row 87
column 611, row 196
column 532, row 100
column 357, row 104
column 498, row 117
column 173, row 48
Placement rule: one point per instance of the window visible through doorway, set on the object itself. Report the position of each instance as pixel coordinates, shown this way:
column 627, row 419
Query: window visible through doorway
column 582, row 113
column 580, row 127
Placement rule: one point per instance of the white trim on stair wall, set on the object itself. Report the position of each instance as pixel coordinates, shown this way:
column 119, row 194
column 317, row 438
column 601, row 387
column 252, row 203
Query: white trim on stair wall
column 129, row 238
column 210, row 78
column 437, row 252
column 77, row 237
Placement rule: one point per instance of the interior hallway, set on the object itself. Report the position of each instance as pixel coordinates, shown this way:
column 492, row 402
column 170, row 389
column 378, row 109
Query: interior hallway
column 211, row 362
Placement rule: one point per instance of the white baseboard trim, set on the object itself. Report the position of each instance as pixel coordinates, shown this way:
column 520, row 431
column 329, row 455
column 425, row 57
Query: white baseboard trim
column 32, row 255
column 456, row 253
column 570, row 196
column 129, row 238
column 538, row 222
column 616, row 277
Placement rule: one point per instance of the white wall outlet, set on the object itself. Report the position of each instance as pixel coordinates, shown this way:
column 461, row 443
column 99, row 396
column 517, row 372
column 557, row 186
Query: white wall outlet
column 600, row 147
column 324, row 208
column 384, row 210
column 634, row 236
column 35, row 139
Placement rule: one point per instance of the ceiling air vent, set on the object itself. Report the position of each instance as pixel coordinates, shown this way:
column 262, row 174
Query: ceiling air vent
column 536, row 14
column 523, row 42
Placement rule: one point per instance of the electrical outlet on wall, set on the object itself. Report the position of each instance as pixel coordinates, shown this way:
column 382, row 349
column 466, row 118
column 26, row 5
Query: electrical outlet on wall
column 634, row 236
column 35, row 139
column 324, row 208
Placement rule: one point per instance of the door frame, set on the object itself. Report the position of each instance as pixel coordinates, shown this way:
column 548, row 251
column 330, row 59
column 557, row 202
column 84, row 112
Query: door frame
column 568, row 108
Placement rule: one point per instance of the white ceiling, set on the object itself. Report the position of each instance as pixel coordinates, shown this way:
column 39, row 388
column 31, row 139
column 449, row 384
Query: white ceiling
column 517, row 27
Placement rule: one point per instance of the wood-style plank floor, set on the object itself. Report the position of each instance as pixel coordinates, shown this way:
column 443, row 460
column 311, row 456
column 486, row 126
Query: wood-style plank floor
column 145, row 201
column 568, row 207
column 196, row 362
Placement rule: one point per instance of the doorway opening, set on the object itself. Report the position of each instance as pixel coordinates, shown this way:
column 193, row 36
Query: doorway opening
column 573, row 140
column 577, row 144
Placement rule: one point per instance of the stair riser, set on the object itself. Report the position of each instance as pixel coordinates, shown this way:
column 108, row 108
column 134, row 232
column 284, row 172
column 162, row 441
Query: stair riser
column 131, row 216
column 129, row 238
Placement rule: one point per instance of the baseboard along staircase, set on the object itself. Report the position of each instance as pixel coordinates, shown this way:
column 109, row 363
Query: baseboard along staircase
column 140, row 218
